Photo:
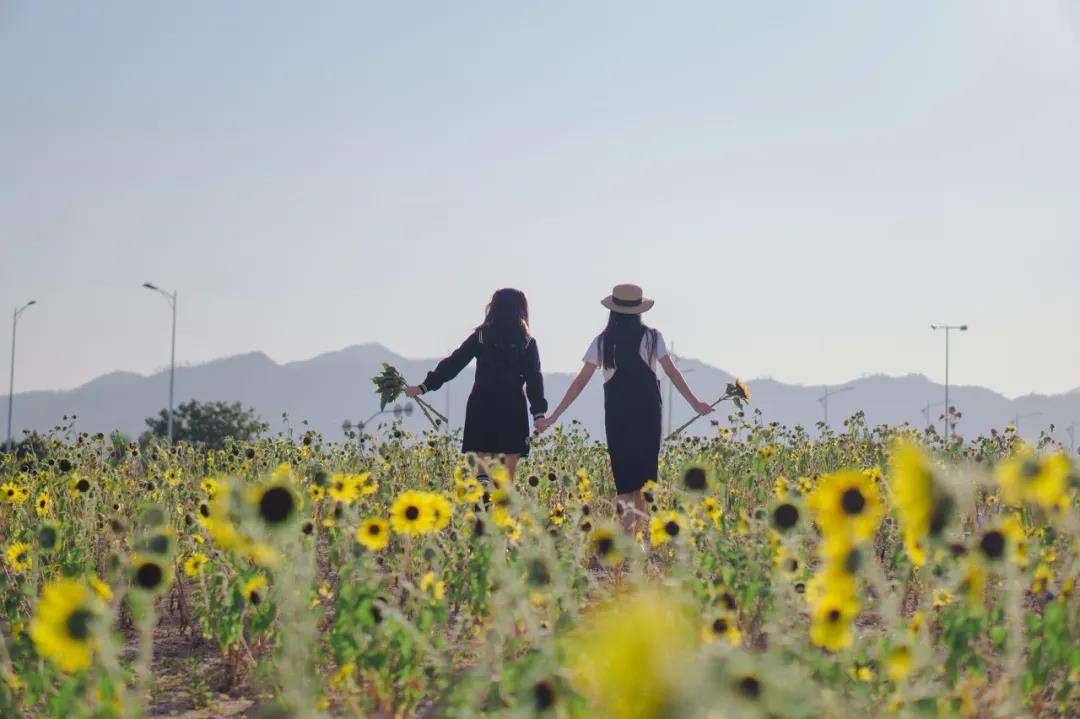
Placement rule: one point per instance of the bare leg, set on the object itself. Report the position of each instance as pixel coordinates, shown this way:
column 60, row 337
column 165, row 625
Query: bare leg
column 633, row 517
column 487, row 460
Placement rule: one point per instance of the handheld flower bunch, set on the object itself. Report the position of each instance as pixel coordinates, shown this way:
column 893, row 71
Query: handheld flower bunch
column 389, row 385
column 736, row 391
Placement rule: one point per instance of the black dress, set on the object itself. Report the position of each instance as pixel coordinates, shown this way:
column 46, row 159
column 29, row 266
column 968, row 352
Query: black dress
column 632, row 418
column 496, row 420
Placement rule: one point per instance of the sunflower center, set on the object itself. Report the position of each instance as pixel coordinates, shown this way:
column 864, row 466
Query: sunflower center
column 149, row 575
column 543, row 695
column 604, row 545
column 695, row 479
column 78, row 624
column 82, row 485
column 720, row 626
column 853, row 501
column 276, row 504
column 374, row 530
column 672, row 528
column 750, row 687
column 992, row 544
column 786, row 515
column 833, row 615
column 412, row 513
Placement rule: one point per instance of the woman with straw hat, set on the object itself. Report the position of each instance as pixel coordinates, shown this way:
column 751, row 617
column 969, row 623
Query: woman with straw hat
column 629, row 351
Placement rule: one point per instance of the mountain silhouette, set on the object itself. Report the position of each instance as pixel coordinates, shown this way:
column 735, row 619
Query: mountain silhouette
column 331, row 388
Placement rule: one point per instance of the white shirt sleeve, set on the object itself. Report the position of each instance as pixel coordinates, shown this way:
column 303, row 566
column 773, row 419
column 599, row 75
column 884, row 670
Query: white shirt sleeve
column 592, row 356
column 660, row 351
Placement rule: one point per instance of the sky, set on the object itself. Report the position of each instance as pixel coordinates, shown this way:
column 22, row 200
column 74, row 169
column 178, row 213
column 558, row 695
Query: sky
column 803, row 187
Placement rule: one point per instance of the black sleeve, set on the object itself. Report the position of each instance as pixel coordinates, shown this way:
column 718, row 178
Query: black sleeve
column 534, row 381
column 451, row 367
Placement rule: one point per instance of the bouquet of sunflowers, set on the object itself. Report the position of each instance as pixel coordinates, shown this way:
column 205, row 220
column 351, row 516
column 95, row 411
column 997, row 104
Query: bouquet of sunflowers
column 736, row 391
column 389, row 385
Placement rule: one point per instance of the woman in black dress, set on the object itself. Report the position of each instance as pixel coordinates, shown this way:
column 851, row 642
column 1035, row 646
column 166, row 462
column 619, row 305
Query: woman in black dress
column 629, row 352
column 507, row 359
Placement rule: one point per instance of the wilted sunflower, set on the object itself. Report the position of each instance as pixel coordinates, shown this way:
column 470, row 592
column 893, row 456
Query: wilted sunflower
column 695, row 478
column 61, row 628
column 374, row 534
column 411, row 514
column 19, row 558
column 785, row 516
column 846, row 504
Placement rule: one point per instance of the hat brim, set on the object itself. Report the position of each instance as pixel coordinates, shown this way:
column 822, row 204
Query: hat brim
column 645, row 306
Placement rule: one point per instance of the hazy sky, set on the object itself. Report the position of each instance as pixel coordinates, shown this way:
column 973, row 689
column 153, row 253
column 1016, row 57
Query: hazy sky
column 803, row 186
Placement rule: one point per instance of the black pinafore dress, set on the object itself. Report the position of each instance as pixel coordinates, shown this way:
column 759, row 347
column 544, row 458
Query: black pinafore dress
column 632, row 409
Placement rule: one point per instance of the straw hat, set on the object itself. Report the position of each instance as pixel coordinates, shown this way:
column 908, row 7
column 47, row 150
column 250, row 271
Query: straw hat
column 627, row 300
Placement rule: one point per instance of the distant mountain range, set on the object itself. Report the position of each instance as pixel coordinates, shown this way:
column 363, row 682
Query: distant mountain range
column 333, row 387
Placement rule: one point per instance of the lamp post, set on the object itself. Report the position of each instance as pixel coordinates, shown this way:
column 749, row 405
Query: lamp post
column 11, row 381
column 948, row 329
column 926, row 411
column 823, row 400
column 172, row 359
column 1071, row 430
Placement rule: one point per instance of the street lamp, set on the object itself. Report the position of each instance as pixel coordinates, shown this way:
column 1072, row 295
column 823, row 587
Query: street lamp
column 947, row 328
column 823, row 400
column 172, row 361
column 926, row 411
column 11, row 382
column 1071, row 429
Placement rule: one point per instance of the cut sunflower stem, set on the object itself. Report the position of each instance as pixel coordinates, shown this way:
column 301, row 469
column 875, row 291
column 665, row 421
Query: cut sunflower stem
column 736, row 391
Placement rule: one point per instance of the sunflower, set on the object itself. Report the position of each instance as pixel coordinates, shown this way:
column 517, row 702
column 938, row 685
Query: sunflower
column 254, row 588
column 150, row 575
column 19, row 557
column 695, row 478
column 9, row 492
column 78, row 485
column 411, row 513
column 785, row 516
column 373, row 534
column 847, row 504
column 344, row 488
column 603, row 546
column 193, row 565
column 666, row 527
column 440, row 509
column 898, row 662
column 316, row 492
column 276, row 504
column 1024, row 477
column 41, row 504
column 923, row 505
column 722, row 626
column 830, row 621
column 209, row 486
column 61, row 628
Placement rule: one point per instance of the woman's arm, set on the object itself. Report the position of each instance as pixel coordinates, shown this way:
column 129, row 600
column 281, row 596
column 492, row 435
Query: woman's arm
column 677, row 379
column 572, row 393
column 534, row 382
column 448, row 369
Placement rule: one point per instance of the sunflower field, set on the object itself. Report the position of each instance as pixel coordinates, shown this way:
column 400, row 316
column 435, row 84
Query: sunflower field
column 874, row 571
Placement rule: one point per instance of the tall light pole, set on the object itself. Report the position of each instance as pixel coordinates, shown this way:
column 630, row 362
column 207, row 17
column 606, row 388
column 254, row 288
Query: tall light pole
column 1071, row 429
column 172, row 359
column 947, row 328
column 823, row 400
column 11, row 381
column 926, row 411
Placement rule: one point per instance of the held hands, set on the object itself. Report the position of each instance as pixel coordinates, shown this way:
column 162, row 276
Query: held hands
column 541, row 425
column 413, row 391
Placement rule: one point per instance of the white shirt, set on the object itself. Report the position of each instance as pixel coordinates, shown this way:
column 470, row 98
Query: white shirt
column 659, row 351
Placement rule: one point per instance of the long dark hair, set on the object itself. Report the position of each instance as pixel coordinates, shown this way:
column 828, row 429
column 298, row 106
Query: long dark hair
column 506, row 319
column 622, row 329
